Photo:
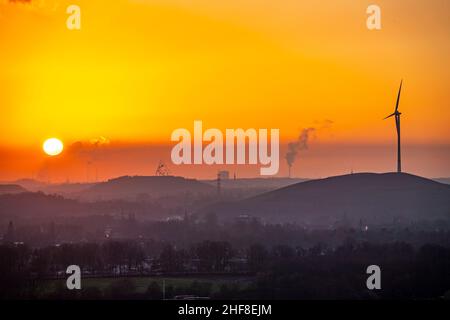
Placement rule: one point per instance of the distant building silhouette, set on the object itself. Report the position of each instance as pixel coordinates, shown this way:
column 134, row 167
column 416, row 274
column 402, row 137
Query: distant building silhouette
column 224, row 175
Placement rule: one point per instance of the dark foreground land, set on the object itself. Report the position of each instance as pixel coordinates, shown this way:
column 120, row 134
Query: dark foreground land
column 218, row 270
column 308, row 240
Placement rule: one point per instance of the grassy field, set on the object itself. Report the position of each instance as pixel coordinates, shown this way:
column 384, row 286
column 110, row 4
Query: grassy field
column 140, row 284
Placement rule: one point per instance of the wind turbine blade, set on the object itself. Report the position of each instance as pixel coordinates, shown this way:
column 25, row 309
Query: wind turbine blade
column 398, row 96
column 389, row 116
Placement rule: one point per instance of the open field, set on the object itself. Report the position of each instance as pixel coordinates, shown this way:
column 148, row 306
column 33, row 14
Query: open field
column 139, row 285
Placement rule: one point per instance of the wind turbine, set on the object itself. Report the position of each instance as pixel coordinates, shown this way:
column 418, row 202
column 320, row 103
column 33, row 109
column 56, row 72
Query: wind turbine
column 397, row 125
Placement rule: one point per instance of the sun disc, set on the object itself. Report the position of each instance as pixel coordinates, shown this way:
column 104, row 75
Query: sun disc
column 53, row 146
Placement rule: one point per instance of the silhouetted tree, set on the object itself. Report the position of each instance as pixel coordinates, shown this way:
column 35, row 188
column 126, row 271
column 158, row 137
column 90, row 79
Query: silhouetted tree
column 257, row 256
column 154, row 291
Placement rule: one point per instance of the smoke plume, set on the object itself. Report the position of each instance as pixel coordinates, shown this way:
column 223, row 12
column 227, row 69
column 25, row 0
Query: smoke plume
column 303, row 139
column 301, row 144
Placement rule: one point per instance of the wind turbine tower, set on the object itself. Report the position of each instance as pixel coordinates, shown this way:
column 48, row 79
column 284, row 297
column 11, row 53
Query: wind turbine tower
column 397, row 125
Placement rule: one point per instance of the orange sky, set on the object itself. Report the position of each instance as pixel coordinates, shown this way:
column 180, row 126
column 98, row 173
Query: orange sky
column 139, row 69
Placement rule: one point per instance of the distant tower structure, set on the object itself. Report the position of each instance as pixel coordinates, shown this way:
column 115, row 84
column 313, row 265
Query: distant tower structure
column 162, row 170
column 219, row 191
column 52, row 232
column 88, row 163
column 186, row 217
column 10, row 236
column 131, row 217
column 397, row 114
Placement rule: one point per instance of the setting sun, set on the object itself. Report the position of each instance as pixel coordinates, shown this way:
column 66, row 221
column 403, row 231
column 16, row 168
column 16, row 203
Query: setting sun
column 53, row 146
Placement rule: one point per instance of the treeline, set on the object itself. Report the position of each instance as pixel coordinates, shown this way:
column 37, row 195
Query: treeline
column 119, row 258
column 275, row 272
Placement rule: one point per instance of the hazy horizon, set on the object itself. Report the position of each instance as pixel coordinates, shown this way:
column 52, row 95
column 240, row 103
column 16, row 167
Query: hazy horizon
column 89, row 163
